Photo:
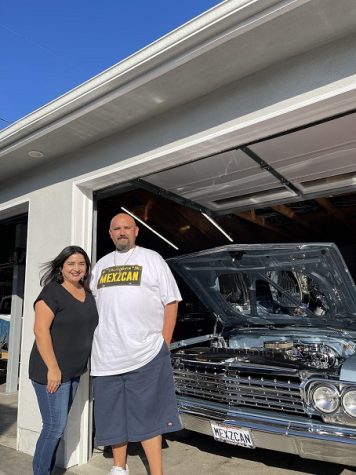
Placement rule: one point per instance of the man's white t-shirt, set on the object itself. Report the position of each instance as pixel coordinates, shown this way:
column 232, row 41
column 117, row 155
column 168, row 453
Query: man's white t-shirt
column 131, row 290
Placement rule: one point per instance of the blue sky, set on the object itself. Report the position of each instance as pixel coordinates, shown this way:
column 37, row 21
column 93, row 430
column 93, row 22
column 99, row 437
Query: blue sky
column 49, row 47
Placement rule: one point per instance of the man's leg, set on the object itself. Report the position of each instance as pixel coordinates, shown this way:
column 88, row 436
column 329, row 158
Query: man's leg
column 153, row 451
column 119, row 453
column 109, row 411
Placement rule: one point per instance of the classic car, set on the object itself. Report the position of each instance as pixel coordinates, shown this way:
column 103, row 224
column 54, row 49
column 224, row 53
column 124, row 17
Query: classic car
column 278, row 368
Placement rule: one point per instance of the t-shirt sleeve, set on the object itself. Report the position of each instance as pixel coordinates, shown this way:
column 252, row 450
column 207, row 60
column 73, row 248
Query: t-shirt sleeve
column 168, row 286
column 49, row 295
column 93, row 280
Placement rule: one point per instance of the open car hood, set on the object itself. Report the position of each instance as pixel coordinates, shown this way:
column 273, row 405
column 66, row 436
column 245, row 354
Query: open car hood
column 272, row 284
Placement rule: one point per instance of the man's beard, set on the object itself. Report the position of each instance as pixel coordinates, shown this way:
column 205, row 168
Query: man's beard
column 123, row 245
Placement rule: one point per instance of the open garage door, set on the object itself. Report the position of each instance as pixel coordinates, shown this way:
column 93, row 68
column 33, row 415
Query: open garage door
column 299, row 186
column 309, row 162
column 295, row 187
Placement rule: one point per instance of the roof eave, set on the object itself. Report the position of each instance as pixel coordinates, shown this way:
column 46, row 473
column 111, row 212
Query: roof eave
column 186, row 41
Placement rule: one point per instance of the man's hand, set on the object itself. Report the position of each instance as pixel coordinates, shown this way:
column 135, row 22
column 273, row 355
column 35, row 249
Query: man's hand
column 169, row 321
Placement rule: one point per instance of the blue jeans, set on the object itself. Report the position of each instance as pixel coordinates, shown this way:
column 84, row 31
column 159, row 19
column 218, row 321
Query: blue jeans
column 54, row 409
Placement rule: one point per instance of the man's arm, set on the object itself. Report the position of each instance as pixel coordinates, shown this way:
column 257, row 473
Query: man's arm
column 169, row 321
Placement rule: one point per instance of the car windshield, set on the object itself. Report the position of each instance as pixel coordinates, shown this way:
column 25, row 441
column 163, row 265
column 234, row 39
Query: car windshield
column 273, row 293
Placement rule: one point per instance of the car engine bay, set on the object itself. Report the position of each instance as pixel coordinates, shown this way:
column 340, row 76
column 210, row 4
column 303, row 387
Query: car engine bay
column 290, row 351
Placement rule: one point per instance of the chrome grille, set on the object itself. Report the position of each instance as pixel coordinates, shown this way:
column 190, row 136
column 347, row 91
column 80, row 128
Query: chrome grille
column 238, row 387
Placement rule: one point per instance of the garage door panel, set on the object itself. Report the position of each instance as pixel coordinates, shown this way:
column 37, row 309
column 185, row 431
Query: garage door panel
column 250, row 200
column 215, row 169
column 316, row 159
column 226, row 176
column 320, row 158
column 315, row 139
column 335, row 167
column 262, row 182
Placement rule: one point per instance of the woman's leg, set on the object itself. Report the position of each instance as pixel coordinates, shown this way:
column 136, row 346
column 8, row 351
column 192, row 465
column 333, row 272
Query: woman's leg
column 54, row 409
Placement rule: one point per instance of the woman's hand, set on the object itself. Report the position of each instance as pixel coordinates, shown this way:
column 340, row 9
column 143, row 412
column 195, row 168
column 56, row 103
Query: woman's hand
column 54, row 377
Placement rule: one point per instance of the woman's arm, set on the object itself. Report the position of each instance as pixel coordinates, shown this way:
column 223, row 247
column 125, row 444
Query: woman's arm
column 43, row 321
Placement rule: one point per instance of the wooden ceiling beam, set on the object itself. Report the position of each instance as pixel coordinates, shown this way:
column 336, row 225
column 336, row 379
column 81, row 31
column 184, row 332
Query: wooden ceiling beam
column 260, row 221
column 293, row 216
column 335, row 212
column 201, row 224
column 182, row 221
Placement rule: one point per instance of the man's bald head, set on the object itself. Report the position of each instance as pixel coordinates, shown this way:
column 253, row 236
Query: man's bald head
column 123, row 232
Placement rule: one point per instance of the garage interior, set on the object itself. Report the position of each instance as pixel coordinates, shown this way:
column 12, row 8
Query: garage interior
column 12, row 274
column 294, row 187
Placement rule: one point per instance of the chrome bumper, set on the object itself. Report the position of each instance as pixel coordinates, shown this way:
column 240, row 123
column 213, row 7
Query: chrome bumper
column 294, row 435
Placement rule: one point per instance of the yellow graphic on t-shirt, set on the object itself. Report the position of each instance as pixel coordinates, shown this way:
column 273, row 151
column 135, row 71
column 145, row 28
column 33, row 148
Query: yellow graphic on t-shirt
column 120, row 275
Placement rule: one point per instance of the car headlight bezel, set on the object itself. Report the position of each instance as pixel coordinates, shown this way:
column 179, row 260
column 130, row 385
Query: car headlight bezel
column 346, row 405
column 326, row 398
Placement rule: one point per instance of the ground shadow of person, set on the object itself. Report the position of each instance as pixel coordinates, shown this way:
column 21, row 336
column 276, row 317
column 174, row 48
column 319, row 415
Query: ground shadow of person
column 135, row 449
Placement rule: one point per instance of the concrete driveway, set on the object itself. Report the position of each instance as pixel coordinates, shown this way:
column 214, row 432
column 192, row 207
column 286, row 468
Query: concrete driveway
column 198, row 455
column 201, row 455
column 185, row 453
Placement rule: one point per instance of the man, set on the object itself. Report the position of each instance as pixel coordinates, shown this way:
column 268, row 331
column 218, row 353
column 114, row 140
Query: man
column 137, row 299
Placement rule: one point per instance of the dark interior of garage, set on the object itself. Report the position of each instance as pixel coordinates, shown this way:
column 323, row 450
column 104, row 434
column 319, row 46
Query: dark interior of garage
column 10, row 255
column 325, row 219
column 12, row 268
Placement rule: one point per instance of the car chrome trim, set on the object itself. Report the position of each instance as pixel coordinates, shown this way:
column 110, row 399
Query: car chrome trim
column 262, row 422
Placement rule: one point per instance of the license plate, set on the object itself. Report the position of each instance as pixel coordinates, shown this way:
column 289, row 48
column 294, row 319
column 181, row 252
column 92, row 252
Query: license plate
column 232, row 435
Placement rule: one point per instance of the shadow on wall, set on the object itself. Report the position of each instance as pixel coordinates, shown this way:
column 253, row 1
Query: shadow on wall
column 8, row 416
column 72, row 435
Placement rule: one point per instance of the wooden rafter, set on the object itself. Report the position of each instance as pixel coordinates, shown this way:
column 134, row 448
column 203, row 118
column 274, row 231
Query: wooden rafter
column 178, row 222
column 335, row 212
column 293, row 216
column 261, row 221
column 199, row 223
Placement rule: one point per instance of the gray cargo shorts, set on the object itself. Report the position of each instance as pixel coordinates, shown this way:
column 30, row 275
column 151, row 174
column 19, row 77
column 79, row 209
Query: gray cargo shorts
column 136, row 405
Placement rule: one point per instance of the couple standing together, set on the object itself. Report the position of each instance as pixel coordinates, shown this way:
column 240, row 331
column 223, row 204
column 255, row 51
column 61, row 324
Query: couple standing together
column 124, row 315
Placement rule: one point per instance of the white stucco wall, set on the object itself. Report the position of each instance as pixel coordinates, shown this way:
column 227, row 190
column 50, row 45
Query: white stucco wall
column 49, row 231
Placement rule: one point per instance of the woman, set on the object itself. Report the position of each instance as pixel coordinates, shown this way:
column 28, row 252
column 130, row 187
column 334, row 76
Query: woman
column 65, row 320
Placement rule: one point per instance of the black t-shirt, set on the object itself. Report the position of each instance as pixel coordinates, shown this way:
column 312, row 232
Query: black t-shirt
column 72, row 332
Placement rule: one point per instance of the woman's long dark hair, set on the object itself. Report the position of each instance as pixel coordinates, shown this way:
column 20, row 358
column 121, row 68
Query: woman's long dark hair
column 52, row 270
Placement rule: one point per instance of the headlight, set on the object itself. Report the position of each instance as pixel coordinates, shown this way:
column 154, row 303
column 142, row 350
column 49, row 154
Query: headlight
column 326, row 399
column 349, row 403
